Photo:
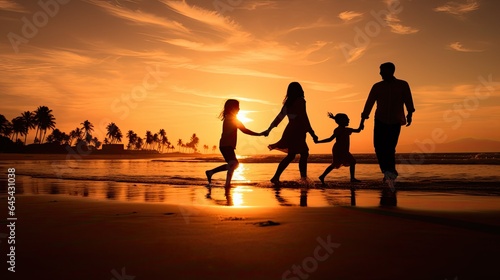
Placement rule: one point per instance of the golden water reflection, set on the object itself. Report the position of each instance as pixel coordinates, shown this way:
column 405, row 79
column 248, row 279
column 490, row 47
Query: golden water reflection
column 250, row 195
column 239, row 173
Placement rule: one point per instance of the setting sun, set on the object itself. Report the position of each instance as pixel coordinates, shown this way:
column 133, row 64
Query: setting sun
column 243, row 116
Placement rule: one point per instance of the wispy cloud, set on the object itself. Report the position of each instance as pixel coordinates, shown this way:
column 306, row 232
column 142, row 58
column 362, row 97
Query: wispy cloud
column 394, row 22
column 255, row 5
column 231, row 70
column 211, row 18
column 197, row 46
column 11, row 6
column 434, row 100
column 318, row 23
column 198, row 93
column 275, row 52
column 352, row 53
column 349, row 16
column 458, row 9
column 457, row 46
column 140, row 17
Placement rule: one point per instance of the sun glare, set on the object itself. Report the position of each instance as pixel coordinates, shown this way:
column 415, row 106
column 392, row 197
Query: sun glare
column 242, row 116
column 239, row 173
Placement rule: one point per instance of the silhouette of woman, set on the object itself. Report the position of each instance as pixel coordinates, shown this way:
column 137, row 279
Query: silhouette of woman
column 293, row 140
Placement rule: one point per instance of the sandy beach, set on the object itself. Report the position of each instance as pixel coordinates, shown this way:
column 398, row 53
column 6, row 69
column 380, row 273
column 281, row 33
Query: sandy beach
column 63, row 237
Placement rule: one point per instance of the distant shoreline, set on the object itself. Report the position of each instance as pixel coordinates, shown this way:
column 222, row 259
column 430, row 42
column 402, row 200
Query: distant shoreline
column 96, row 156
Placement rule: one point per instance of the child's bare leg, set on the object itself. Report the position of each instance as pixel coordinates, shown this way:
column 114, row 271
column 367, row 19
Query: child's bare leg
column 232, row 165
column 352, row 170
column 211, row 172
column 327, row 170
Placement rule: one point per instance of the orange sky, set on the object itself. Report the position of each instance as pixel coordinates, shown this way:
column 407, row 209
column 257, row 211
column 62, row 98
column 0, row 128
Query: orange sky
column 147, row 65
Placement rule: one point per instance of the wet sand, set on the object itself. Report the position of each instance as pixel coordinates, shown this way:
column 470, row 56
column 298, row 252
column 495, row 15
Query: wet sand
column 427, row 236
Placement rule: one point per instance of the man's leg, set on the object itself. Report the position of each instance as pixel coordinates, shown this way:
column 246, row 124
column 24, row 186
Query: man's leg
column 379, row 142
column 392, row 141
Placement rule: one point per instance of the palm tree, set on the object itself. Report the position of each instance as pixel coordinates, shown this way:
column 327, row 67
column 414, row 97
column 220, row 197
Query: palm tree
column 149, row 138
column 114, row 133
column 132, row 138
column 75, row 134
column 4, row 125
column 44, row 120
column 163, row 139
column 87, row 128
column 194, row 142
column 66, row 138
column 138, row 143
column 29, row 123
column 179, row 144
column 17, row 128
column 56, row 136
column 156, row 140
column 205, row 148
column 214, row 148
column 96, row 142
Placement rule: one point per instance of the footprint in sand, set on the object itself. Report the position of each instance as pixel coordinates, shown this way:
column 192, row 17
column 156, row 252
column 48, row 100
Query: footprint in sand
column 266, row 224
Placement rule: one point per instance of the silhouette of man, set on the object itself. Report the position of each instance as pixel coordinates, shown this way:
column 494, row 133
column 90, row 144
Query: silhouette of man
column 391, row 96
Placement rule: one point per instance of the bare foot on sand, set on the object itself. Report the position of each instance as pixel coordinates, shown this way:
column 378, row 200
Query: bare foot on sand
column 209, row 176
column 322, row 179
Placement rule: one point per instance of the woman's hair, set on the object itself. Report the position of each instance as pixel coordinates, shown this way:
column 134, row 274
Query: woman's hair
column 229, row 106
column 293, row 92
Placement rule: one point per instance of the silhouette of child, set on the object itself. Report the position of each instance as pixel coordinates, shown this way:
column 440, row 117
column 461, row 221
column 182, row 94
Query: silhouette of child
column 340, row 150
column 227, row 143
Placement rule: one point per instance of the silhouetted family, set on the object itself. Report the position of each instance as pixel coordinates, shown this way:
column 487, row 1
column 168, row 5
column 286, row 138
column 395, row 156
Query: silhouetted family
column 391, row 95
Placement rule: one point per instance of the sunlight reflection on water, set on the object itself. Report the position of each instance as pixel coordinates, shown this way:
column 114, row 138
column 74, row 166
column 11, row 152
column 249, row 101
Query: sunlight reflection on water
column 249, row 196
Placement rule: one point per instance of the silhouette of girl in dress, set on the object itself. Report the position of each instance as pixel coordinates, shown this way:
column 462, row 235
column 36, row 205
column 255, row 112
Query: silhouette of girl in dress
column 340, row 150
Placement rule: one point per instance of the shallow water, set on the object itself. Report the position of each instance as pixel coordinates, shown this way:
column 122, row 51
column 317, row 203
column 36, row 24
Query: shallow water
column 182, row 171
column 182, row 181
column 251, row 195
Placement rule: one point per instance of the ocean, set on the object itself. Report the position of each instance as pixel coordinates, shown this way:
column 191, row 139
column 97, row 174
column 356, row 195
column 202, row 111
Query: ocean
column 182, row 179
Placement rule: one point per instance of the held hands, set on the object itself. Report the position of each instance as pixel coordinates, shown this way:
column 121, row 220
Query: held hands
column 331, row 116
column 362, row 124
column 265, row 132
column 315, row 138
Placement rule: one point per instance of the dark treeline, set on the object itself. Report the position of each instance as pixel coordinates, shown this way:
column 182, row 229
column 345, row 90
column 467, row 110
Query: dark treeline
column 48, row 138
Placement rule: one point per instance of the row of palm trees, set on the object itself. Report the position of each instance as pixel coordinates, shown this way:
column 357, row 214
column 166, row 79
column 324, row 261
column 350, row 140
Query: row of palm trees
column 42, row 120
